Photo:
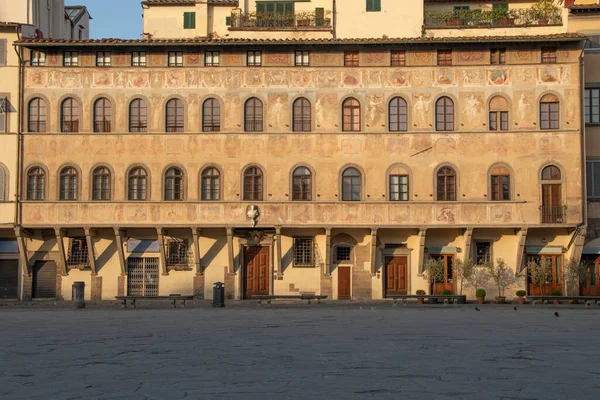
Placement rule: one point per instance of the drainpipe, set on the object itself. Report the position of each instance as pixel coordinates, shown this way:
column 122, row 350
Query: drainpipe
column 583, row 138
column 334, row 18
column 21, row 99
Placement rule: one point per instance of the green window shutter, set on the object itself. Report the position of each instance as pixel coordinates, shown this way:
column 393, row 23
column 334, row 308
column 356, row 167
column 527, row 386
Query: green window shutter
column 228, row 21
column 3, row 50
column 3, row 112
column 500, row 6
column 189, row 20
column 373, row 5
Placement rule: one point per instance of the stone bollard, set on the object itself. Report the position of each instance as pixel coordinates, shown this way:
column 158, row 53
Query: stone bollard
column 588, row 304
column 445, row 302
column 78, row 295
column 455, row 301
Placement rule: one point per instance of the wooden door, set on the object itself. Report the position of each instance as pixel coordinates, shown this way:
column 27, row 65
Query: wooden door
column 553, row 280
column 447, row 282
column 552, row 211
column 256, row 271
column 344, row 292
column 591, row 282
column 395, row 270
column 44, row 280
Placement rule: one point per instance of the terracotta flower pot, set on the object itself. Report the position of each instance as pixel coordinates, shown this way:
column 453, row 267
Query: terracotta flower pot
column 480, row 300
column 500, row 300
column 521, row 300
column 555, row 301
column 420, row 300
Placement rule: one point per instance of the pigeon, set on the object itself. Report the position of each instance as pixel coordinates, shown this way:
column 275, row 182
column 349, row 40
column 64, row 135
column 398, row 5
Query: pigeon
column 515, row 308
column 477, row 309
column 556, row 314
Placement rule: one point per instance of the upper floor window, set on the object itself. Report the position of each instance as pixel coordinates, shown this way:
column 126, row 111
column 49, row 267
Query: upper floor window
column 498, row 114
column 549, row 112
column 351, row 184
column 138, row 116
column 253, row 184
column 69, row 115
column 351, row 59
column 253, row 115
column 593, row 178
column 446, row 184
column 211, row 59
column 189, row 20
column 302, row 115
column 302, row 184
column 210, row 184
column 175, row 59
column 68, row 184
column 398, row 115
column 137, row 184
column 211, row 116
column 398, row 184
column 38, row 58
column 497, row 56
column 548, row 55
column 102, row 115
column 254, row 58
column 552, row 206
column 444, row 114
column 101, row 184
column 174, row 184
column 103, row 59
column 37, row 115
column 444, row 57
column 351, row 115
column 500, row 183
column 592, row 106
column 138, row 59
column 373, row 5
column 398, row 58
column 71, row 59
column 302, row 58
column 36, row 184
column 174, row 120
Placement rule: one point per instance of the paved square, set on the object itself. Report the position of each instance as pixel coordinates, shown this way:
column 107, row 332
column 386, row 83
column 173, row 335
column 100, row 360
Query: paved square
column 318, row 352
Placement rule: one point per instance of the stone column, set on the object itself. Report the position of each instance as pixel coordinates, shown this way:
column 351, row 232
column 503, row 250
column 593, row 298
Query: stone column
column 421, row 253
column 120, row 251
column 278, row 251
column 163, row 258
column 199, row 276
column 373, row 254
column 91, row 253
column 61, row 251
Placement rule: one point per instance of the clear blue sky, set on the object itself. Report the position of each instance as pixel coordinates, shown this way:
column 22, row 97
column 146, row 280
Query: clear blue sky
column 113, row 18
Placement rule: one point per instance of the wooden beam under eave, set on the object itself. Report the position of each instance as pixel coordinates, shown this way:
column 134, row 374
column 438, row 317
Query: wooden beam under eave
column 23, row 259
column 119, row 242
column 230, row 250
column 373, row 251
column 163, row 257
column 61, row 250
column 196, row 247
column 91, row 252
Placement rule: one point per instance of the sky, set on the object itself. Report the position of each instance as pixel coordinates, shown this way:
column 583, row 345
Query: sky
column 113, row 18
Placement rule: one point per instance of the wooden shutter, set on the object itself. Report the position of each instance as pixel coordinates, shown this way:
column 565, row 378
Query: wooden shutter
column 189, row 20
column 3, row 50
column 3, row 113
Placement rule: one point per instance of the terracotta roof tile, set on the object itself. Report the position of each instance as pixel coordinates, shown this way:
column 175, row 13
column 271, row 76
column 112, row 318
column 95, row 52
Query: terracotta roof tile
column 184, row 2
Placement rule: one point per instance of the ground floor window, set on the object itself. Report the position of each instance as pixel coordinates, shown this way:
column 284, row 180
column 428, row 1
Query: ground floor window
column 303, row 251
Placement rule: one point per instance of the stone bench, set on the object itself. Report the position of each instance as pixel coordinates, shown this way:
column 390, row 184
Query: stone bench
column 456, row 299
column 173, row 298
column 307, row 297
column 588, row 300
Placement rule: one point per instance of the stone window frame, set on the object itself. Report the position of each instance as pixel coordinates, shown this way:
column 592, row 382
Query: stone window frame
column 456, row 181
column 200, row 181
column 183, row 191
column 511, row 181
column 312, row 181
column 78, row 181
column 111, row 182
column 45, row 175
column 148, row 181
column 46, row 120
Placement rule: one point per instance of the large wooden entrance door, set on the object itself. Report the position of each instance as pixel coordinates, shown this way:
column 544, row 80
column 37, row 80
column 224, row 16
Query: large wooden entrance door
column 590, row 285
column 553, row 275
column 44, row 280
column 395, row 271
column 256, row 271
column 344, row 291
column 447, row 282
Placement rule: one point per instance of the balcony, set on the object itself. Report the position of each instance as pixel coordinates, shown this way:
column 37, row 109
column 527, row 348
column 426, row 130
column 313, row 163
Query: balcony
column 553, row 214
column 308, row 20
column 525, row 17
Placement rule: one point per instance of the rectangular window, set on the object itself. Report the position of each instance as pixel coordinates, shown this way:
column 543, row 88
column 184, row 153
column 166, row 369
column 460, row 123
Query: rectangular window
column 399, row 187
column 78, row 253
column 176, row 59
column 211, row 59
column 593, row 42
column 461, row 8
column 373, row 5
column 3, row 108
column 342, row 253
column 38, row 58
column 592, row 106
column 70, row 59
column 103, row 59
column 498, row 56
column 303, row 252
column 177, row 253
column 189, row 20
column 138, row 59
column 549, row 115
column 483, row 252
column 351, row 59
column 254, row 59
column 227, row 21
column 302, row 59
column 500, row 187
column 444, row 57
column 398, row 58
column 548, row 55
column 593, row 178
column 500, row 6
column 498, row 120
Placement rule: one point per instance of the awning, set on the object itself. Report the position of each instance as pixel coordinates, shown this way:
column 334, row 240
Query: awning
column 543, row 250
column 591, row 250
column 440, row 250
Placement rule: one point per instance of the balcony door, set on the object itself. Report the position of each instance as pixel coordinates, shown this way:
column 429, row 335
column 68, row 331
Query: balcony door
column 551, row 203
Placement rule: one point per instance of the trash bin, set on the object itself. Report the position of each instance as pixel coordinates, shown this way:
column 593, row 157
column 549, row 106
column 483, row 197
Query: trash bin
column 78, row 295
column 219, row 295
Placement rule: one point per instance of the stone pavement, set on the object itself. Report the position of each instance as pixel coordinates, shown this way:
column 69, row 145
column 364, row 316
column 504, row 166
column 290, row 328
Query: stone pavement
column 317, row 352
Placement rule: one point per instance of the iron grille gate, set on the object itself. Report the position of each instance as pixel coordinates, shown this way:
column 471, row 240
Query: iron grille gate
column 142, row 279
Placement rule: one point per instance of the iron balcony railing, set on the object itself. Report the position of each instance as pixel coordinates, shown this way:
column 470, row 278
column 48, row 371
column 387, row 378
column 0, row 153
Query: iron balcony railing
column 553, row 214
column 70, row 126
column 102, row 126
column 493, row 18
column 270, row 19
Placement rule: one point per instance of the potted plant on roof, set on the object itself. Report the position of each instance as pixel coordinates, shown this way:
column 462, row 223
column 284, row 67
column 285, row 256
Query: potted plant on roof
column 420, row 292
column 521, row 296
column 543, row 10
column 503, row 277
column 555, row 293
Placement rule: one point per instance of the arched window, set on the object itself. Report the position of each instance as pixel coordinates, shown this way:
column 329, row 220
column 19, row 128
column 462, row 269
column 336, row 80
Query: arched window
column 302, row 184
column 253, row 184
column 101, row 184
column 174, row 115
column 253, row 115
column 138, row 184
column 444, row 114
column 210, row 184
column 69, row 115
column 552, row 206
column 37, row 115
column 302, row 113
column 36, row 184
column 138, row 116
column 398, row 115
column 211, row 116
column 498, row 114
column 351, row 115
column 500, row 183
column 174, row 184
column 446, row 184
column 549, row 112
column 398, row 183
column 3, row 184
column 68, row 184
column 102, row 115
column 351, row 184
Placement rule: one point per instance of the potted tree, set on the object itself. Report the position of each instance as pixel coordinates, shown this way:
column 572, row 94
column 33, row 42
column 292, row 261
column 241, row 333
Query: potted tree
column 420, row 292
column 521, row 296
column 463, row 269
column 479, row 278
column 434, row 271
column 555, row 293
column 574, row 276
column 539, row 273
column 503, row 277
column 480, row 294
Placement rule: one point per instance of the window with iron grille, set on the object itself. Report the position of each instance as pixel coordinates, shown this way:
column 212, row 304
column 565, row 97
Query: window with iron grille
column 254, row 59
column 351, row 59
column 497, row 56
column 444, row 57
column 398, row 58
column 302, row 59
column 178, row 253
column 138, row 59
column 304, row 252
column 483, row 252
column 78, row 256
column 342, row 253
column 211, row 59
column 38, row 58
column 70, row 59
column 548, row 55
column 175, row 59
column 592, row 106
column 253, row 116
column 103, row 59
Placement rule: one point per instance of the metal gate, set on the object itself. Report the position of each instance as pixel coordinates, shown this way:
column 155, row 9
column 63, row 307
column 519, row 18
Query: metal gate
column 9, row 279
column 44, row 280
column 142, row 276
